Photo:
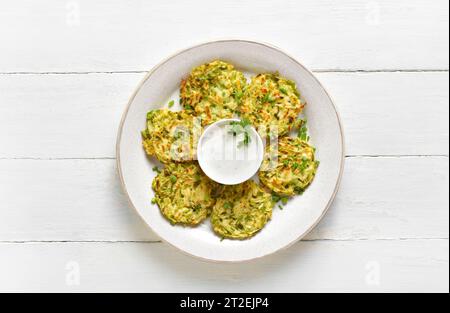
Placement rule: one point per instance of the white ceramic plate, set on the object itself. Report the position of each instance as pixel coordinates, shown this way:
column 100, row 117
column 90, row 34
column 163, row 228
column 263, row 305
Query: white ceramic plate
column 287, row 226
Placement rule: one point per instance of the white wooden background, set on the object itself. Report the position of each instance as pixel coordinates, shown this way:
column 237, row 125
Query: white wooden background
column 67, row 69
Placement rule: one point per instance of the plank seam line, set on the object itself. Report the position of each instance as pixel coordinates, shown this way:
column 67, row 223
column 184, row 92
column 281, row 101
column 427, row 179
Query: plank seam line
column 159, row 241
column 368, row 71
column 351, row 156
column 113, row 158
column 55, row 159
column 73, row 73
column 380, row 71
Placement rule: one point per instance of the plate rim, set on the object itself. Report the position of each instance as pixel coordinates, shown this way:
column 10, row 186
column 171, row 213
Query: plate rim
column 167, row 59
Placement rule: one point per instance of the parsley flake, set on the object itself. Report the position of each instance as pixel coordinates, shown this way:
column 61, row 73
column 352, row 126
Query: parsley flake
column 241, row 127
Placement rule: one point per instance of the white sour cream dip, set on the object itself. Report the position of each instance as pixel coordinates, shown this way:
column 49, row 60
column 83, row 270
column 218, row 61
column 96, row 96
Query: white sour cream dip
column 225, row 158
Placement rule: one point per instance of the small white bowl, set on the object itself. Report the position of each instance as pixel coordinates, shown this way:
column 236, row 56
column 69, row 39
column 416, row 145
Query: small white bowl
column 287, row 226
column 223, row 160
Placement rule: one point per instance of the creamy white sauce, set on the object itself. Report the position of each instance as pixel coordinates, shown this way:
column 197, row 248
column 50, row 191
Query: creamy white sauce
column 224, row 159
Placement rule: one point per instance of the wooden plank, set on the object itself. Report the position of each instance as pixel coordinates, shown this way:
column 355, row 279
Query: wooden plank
column 357, row 266
column 65, row 199
column 390, row 198
column 81, row 200
column 53, row 116
column 77, row 116
column 104, row 35
column 392, row 113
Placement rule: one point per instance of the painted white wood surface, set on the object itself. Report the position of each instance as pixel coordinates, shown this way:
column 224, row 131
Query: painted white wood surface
column 118, row 35
column 326, row 266
column 67, row 69
column 78, row 115
column 63, row 200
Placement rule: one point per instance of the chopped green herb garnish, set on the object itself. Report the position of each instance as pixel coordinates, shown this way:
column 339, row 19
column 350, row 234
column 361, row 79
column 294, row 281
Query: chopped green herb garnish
column 299, row 190
column 267, row 98
column 303, row 131
column 246, row 141
column 154, row 201
column 275, row 198
column 238, row 95
column 171, row 103
column 173, row 178
column 227, row 205
column 156, row 169
column 178, row 134
column 241, row 127
column 197, row 207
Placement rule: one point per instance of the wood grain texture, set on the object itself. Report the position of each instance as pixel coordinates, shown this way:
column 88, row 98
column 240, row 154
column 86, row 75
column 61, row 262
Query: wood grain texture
column 105, row 35
column 81, row 200
column 358, row 266
column 53, row 116
column 77, row 116
column 392, row 113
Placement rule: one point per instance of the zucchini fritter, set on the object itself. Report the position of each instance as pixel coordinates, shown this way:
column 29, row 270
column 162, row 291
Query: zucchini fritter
column 213, row 90
column 290, row 169
column 272, row 102
column 183, row 193
column 170, row 136
column 241, row 211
